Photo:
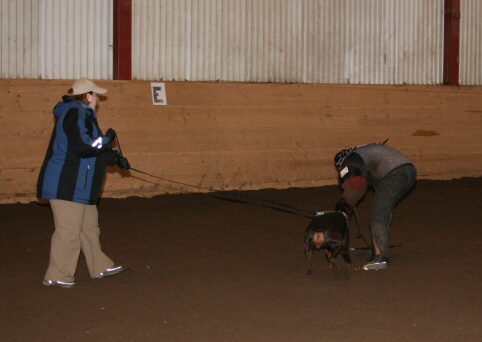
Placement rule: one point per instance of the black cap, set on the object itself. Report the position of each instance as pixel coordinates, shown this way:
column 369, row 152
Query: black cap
column 340, row 156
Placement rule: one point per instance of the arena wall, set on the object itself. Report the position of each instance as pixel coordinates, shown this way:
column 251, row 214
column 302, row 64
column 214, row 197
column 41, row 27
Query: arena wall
column 244, row 136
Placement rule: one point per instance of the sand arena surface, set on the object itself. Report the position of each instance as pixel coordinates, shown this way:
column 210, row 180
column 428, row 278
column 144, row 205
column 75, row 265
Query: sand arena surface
column 206, row 269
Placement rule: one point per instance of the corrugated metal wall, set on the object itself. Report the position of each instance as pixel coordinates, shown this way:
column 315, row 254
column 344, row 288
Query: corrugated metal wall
column 470, row 70
column 325, row 41
column 56, row 39
column 229, row 40
column 372, row 41
column 320, row 41
column 19, row 44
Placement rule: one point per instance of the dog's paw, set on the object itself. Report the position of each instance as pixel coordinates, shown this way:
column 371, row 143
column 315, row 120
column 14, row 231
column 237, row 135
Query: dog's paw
column 355, row 267
column 333, row 265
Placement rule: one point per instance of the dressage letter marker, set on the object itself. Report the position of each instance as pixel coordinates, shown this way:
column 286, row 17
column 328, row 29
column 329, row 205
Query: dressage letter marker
column 158, row 94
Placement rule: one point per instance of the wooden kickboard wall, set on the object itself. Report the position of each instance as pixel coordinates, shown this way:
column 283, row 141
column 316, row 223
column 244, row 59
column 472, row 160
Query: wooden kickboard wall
column 244, row 136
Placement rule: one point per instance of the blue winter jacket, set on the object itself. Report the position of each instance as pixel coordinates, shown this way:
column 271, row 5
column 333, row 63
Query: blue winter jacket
column 75, row 163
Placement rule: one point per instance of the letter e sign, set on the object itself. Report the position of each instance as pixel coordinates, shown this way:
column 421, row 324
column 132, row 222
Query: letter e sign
column 158, row 94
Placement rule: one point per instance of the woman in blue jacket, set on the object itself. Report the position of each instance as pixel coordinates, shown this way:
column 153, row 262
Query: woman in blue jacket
column 71, row 178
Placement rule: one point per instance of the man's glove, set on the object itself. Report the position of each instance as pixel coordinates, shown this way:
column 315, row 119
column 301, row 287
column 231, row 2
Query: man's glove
column 123, row 163
column 110, row 134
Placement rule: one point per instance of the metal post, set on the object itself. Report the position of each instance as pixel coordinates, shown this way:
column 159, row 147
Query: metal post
column 451, row 42
column 122, row 39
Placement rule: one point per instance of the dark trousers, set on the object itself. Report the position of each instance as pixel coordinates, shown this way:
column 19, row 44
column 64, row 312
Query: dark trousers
column 387, row 194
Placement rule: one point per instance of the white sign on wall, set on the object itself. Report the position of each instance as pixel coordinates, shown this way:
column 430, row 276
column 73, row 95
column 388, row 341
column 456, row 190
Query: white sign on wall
column 158, row 94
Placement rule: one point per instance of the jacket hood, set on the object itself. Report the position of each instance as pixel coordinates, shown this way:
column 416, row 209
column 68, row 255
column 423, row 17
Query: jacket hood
column 67, row 103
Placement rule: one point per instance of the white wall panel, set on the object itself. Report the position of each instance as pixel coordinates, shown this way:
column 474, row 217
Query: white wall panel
column 56, row 39
column 372, row 41
column 19, row 38
column 470, row 69
column 159, row 39
column 228, row 40
column 322, row 41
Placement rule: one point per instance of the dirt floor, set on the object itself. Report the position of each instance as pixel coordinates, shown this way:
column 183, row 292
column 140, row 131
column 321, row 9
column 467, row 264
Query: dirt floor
column 206, row 269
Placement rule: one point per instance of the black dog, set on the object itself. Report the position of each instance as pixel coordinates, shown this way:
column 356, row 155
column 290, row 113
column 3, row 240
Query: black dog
column 330, row 233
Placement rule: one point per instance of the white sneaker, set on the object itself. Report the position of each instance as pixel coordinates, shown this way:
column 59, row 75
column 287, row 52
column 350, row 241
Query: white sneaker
column 65, row 284
column 377, row 263
column 110, row 272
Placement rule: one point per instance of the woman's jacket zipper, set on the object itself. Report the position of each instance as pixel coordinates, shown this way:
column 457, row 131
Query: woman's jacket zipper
column 86, row 176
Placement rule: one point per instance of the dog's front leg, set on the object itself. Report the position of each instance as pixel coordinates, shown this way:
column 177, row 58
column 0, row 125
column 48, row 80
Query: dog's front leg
column 329, row 258
column 308, row 253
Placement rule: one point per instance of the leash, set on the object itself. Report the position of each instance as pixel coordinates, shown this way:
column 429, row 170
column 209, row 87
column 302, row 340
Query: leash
column 230, row 195
column 233, row 196
column 360, row 236
column 237, row 197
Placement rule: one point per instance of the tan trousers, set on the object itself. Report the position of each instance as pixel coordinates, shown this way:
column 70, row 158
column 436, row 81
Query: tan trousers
column 76, row 229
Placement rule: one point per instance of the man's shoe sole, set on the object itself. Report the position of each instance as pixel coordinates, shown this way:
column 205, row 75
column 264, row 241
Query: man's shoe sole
column 375, row 266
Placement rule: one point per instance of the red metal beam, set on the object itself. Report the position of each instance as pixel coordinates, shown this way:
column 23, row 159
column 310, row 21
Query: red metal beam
column 451, row 42
column 122, row 39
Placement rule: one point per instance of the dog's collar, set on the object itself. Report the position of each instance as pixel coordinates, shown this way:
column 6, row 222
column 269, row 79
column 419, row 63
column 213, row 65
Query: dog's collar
column 320, row 213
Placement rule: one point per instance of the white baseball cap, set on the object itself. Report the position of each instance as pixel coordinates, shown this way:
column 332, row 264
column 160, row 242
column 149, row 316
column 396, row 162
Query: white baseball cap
column 84, row 85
